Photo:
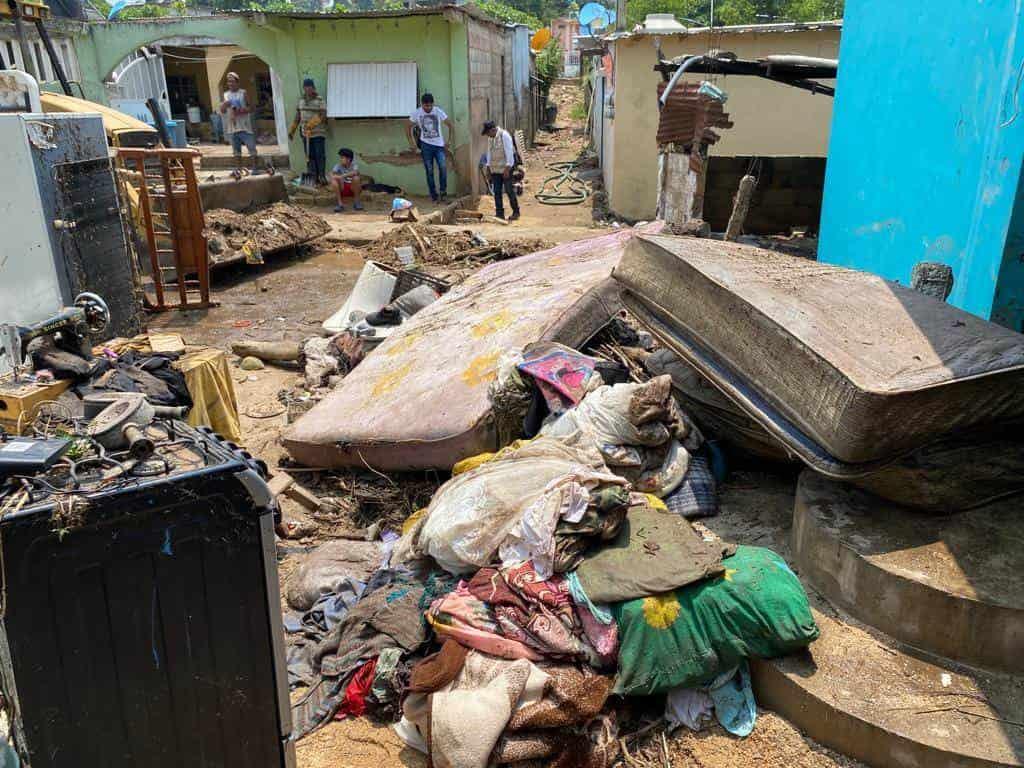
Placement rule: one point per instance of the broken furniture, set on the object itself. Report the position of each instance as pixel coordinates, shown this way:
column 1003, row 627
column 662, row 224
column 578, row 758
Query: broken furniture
column 176, row 554
column 163, row 182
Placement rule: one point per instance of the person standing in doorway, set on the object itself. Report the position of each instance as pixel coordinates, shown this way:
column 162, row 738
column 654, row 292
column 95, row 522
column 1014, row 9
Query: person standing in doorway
column 238, row 120
column 500, row 160
column 431, row 120
column 311, row 118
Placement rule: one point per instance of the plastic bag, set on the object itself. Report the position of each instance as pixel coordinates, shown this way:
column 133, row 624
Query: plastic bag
column 472, row 514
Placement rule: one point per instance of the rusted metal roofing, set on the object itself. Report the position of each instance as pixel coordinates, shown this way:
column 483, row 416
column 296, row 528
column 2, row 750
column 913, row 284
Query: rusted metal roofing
column 690, row 116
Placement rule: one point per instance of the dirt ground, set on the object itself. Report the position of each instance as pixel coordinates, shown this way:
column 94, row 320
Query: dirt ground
column 293, row 292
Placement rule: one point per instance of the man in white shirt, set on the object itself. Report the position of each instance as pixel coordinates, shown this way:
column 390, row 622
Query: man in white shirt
column 500, row 161
column 238, row 120
column 431, row 121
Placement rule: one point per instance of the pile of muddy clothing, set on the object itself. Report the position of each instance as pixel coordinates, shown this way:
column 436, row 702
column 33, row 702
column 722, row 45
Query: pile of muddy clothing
column 542, row 583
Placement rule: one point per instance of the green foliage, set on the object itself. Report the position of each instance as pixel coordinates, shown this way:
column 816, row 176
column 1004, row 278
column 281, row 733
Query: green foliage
column 737, row 11
column 549, row 65
column 503, row 12
column 147, row 11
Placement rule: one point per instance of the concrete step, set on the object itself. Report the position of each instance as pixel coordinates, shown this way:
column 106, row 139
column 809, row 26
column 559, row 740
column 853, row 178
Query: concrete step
column 950, row 585
column 871, row 699
column 860, row 691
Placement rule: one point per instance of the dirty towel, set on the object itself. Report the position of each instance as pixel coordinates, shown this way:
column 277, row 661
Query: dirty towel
column 563, row 375
column 438, row 669
column 465, row 618
column 697, row 496
column 353, row 703
column 534, row 611
column 468, row 716
column 472, row 515
column 757, row 607
column 655, row 552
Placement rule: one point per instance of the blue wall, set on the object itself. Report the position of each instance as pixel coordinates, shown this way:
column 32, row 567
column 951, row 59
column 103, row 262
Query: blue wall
column 927, row 144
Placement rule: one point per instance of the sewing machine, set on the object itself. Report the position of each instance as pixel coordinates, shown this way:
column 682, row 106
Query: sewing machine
column 71, row 329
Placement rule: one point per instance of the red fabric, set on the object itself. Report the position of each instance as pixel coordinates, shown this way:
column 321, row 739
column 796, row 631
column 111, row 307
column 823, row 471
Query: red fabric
column 354, row 702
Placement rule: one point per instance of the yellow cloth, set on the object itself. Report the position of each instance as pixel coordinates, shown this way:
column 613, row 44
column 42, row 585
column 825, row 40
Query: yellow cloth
column 412, row 519
column 482, row 458
column 209, row 382
column 654, row 502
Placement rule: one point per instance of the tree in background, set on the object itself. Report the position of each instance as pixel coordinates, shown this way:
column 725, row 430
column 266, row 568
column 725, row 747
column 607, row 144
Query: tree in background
column 737, row 11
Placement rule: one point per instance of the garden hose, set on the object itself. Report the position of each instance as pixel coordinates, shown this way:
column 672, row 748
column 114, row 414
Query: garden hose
column 567, row 188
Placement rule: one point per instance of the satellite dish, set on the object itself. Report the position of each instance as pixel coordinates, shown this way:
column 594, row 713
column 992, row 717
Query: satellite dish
column 540, row 39
column 592, row 12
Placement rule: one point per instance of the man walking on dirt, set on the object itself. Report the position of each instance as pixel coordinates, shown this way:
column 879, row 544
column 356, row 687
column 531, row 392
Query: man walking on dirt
column 238, row 121
column 500, row 161
column 430, row 120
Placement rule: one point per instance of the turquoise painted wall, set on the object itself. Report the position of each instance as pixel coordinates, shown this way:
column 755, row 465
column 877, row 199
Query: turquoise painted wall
column 299, row 48
column 927, row 148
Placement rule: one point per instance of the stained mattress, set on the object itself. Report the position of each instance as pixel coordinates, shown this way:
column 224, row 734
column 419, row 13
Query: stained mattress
column 837, row 362
column 420, row 400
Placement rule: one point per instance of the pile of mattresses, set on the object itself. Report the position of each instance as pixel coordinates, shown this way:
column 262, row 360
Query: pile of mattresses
column 422, row 399
column 861, row 379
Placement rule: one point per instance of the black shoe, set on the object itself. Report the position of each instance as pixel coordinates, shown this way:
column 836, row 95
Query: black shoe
column 386, row 315
column 433, row 198
column 514, row 216
column 444, row 197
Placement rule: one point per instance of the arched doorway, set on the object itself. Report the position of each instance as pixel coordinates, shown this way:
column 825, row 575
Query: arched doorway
column 187, row 74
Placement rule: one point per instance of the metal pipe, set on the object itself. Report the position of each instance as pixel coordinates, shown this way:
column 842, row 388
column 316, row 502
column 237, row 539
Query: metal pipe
column 676, row 75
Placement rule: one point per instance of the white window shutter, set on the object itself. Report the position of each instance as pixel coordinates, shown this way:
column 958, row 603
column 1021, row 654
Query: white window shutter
column 371, row 90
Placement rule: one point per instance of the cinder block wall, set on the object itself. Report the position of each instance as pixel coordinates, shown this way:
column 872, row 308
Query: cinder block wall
column 788, row 193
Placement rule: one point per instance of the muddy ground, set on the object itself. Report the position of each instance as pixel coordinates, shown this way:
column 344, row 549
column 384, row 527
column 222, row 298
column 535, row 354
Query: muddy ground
column 294, row 291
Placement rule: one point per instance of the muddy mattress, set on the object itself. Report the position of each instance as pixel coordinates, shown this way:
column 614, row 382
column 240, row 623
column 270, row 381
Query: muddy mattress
column 833, row 361
column 421, row 399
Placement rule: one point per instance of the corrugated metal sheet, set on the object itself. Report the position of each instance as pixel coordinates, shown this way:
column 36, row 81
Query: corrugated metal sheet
column 371, row 89
column 687, row 115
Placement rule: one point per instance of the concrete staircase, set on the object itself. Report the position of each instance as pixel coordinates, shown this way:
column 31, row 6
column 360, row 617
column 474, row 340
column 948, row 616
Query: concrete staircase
column 920, row 663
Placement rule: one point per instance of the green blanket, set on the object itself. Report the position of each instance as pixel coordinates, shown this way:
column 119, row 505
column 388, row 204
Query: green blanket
column 687, row 637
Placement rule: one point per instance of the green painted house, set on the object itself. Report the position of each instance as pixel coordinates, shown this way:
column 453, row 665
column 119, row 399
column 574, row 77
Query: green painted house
column 369, row 66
